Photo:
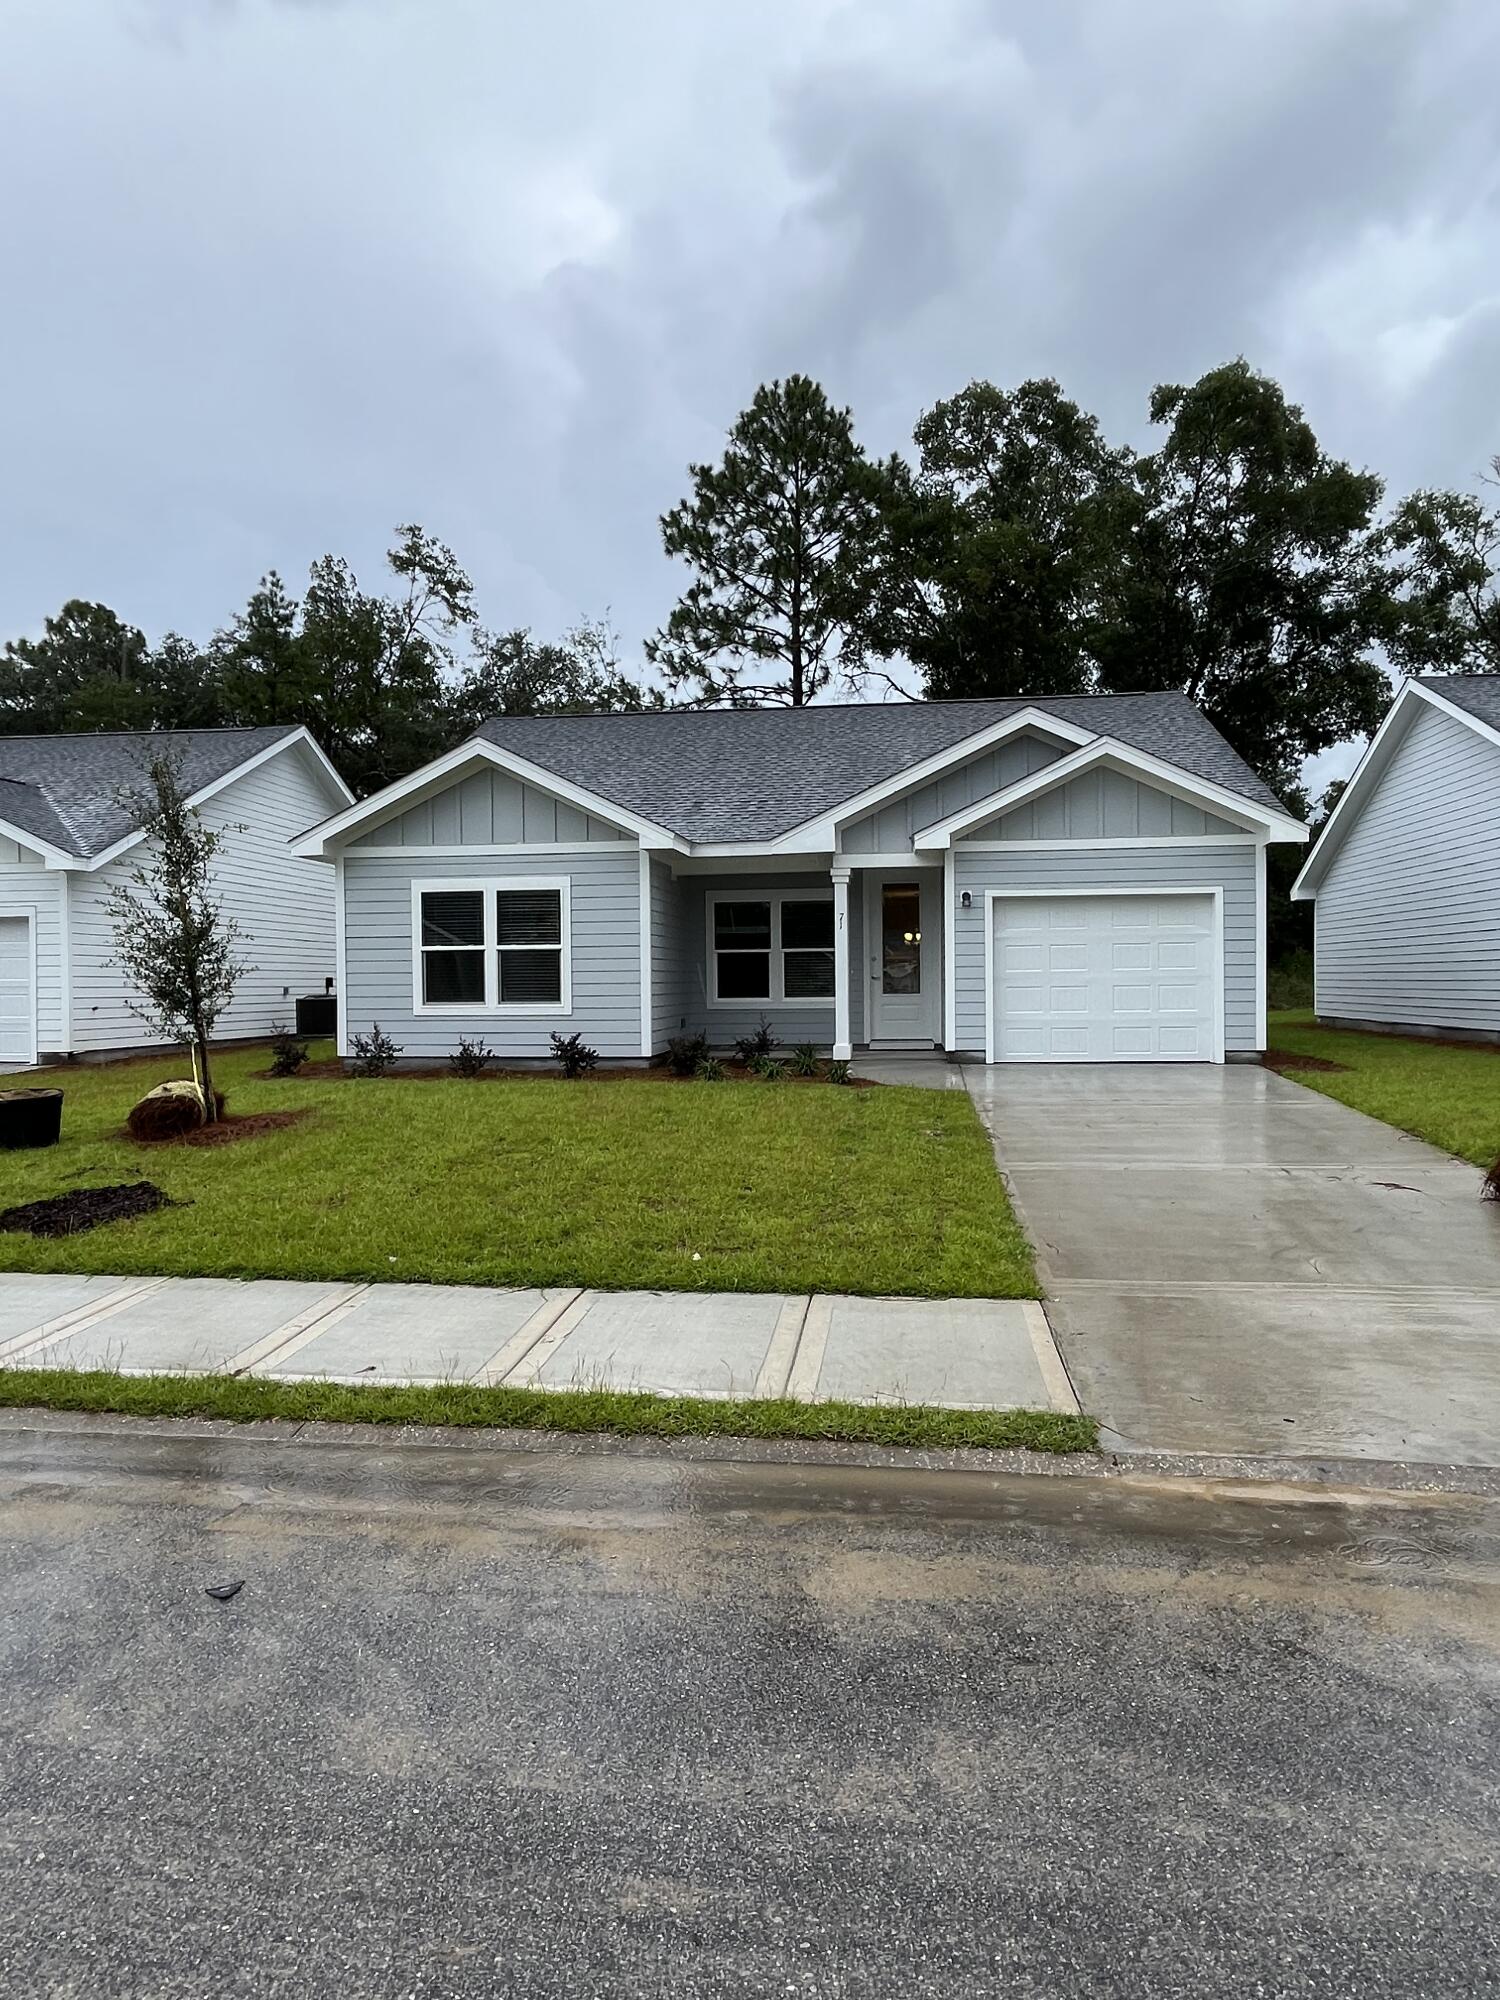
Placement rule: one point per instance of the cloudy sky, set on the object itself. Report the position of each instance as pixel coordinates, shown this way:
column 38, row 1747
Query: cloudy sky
column 282, row 273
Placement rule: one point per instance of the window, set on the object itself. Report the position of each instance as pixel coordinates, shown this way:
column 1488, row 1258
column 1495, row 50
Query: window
column 483, row 946
column 772, row 947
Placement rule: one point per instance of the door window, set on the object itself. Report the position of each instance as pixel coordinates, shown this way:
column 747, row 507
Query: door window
column 900, row 938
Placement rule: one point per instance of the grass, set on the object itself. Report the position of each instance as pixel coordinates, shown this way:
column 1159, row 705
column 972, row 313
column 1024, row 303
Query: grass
column 533, row 1181
column 1448, row 1096
column 241, row 1400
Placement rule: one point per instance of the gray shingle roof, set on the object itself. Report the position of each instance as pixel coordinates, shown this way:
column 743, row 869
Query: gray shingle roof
column 754, row 773
column 1478, row 693
column 65, row 789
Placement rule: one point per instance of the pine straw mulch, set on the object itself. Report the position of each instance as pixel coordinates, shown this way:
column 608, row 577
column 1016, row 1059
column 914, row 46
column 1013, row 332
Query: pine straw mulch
column 1283, row 1059
column 332, row 1070
column 231, row 1126
column 86, row 1208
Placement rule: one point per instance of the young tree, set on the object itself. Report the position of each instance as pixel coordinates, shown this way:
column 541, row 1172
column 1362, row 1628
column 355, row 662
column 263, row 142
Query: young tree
column 172, row 938
column 781, row 536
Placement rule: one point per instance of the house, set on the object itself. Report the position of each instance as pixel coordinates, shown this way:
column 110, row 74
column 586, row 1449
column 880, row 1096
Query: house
column 1405, row 876
column 1079, row 879
column 66, row 841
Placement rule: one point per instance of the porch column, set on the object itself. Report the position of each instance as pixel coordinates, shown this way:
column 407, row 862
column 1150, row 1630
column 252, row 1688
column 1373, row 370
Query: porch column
column 843, row 1048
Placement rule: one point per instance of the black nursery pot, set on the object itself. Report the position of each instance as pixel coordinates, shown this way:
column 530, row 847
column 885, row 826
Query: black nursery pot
column 30, row 1118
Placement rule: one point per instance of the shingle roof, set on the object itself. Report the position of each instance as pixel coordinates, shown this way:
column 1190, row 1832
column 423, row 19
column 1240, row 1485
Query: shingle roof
column 754, row 773
column 66, row 789
column 1478, row 693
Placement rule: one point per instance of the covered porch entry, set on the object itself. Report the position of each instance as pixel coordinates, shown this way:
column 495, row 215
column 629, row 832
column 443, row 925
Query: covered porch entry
column 889, row 957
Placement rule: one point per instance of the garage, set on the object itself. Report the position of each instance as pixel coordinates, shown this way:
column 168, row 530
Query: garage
column 1123, row 977
column 17, row 991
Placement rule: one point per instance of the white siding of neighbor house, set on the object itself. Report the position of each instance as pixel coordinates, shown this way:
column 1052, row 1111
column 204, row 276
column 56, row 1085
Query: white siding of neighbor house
column 1104, row 805
column 890, row 830
column 488, row 808
column 1101, row 870
column 283, row 905
column 605, row 921
column 1408, row 915
column 27, row 886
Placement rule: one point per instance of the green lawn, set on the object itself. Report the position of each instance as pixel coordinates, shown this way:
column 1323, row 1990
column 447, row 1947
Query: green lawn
column 614, row 1184
column 1448, row 1096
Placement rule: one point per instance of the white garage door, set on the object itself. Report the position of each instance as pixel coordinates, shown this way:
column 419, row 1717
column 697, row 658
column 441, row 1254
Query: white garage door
column 1106, row 979
column 17, row 1043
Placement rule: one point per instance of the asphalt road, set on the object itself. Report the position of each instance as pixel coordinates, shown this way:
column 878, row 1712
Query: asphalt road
column 544, row 1723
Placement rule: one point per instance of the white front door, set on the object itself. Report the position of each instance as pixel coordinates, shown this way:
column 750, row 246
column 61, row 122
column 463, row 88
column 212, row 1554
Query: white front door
column 1106, row 979
column 17, row 1026
column 902, row 917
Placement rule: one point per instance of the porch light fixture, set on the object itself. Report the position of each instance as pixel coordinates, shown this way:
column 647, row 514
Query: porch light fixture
column 967, row 900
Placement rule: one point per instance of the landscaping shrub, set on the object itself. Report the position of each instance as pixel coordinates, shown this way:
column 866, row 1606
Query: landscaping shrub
column 685, row 1052
column 838, row 1072
column 1491, row 1189
column 767, row 1069
column 471, row 1058
column 710, row 1070
column 761, row 1043
column 287, row 1053
column 169, row 1111
column 575, row 1055
column 374, row 1053
column 803, row 1060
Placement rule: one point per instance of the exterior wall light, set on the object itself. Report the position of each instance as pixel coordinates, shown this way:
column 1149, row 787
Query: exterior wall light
column 967, row 900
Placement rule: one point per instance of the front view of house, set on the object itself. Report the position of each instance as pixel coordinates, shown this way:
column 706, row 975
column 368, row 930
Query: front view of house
column 1080, row 879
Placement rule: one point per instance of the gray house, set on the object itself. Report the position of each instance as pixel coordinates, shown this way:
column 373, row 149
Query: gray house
column 1406, row 874
column 1079, row 880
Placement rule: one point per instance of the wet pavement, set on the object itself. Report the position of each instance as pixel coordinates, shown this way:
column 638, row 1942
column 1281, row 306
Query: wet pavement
column 594, row 1722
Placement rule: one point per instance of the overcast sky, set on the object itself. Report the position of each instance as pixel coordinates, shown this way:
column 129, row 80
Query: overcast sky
column 282, row 273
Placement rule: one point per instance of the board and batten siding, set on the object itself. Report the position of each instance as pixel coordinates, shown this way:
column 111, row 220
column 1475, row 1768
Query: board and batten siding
column 889, row 830
column 283, row 905
column 29, row 887
column 1407, row 920
column 1100, row 871
column 604, row 930
column 1106, row 805
column 489, row 808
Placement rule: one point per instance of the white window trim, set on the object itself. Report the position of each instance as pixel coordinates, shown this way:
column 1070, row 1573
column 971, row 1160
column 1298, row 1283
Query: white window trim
column 28, row 911
column 488, row 886
column 775, row 897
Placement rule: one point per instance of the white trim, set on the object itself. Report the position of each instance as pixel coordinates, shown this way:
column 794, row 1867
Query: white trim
column 1169, row 778
column 993, row 896
column 300, row 736
column 646, row 1048
column 26, row 911
column 843, row 1046
column 515, row 848
column 340, row 959
column 1439, row 700
column 492, row 1004
column 477, row 750
column 1245, row 839
column 1262, row 917
column 950, row 953
column 775, row 897
column 50, row 856
column 65, row 967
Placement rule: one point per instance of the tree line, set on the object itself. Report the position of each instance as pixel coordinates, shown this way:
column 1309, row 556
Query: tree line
column 1015, row 551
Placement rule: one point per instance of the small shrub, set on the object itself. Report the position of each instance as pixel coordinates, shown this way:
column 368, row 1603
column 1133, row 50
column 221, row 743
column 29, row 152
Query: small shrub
column 374, row 1053
column 169, row 1111
column 767, row 1069
column 575, row 1055
column 1491, row 1189
column 838, row 1072
column 685, row 1052
column 761, row 1043
column 710, row 1070
column 470, row 1058
column 803, row 1060
column 287, row 1053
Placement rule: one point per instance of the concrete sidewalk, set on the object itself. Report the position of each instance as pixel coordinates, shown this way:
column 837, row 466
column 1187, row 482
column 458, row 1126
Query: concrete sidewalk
column 956, row 1353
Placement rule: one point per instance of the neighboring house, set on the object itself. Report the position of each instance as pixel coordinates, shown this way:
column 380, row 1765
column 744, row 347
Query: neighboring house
column 1406, row 874
column 66, row 841
column 1080, row 879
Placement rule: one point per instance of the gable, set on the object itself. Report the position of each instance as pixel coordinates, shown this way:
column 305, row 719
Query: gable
column 889, row 829
column 14, row 855
column 488, row 808
column 1437, row 798
column 1105, row 805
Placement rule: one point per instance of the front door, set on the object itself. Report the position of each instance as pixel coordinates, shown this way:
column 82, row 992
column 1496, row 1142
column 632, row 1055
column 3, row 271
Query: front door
column 902, row 914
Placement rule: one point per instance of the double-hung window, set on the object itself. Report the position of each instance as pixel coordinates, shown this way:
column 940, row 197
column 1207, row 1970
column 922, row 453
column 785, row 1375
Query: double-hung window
column 771, row 946
column 489, row 946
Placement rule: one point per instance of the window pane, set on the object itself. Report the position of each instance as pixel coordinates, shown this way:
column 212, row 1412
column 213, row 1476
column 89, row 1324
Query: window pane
column 531, row 978
column 528, row 916
column 452, row 977
column 900, row 938
column 808, row 975
column 743, row 924
column 744, row 975
column 807, row 926
column 453, row 916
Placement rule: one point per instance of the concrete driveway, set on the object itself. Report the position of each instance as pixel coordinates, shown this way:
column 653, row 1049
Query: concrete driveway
column 1234, row 1263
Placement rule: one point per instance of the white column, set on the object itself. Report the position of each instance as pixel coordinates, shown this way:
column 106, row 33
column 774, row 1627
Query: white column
column 843, row 1048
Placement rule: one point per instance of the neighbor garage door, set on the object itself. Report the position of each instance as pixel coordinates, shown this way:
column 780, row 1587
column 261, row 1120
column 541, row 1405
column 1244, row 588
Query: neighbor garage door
column 1106, row 979
column 17, row 1041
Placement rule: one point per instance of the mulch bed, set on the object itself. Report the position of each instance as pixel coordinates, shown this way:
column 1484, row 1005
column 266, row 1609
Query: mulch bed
column 733, row 1073
column 231, row 1126
column 1283, row 1059
column 86, row 1208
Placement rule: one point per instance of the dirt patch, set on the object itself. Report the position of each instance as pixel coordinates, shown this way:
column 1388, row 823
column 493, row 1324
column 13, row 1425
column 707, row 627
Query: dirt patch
column 86, row 1208
column 1283, row 1059
column 322, row 1072
column 234, row 1125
